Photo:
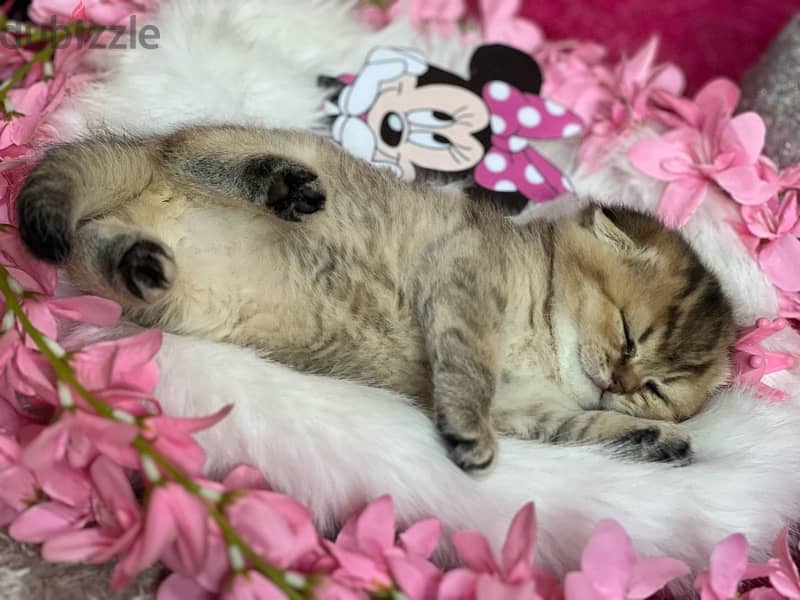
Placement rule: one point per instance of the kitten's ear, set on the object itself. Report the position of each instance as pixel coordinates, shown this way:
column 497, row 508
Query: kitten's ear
column 602, row 223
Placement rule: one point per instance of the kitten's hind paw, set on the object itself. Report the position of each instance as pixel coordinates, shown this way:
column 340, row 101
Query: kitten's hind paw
column 655, row 444
column 473, row 452
column 147, row 269
column 284, row 187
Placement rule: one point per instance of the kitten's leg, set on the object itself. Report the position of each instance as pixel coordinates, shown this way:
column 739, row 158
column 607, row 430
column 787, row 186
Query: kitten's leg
column 117, row 260
column 77, row 181
column 247, row 165
column 634, row 437
column 460, row 323
column 277, row 184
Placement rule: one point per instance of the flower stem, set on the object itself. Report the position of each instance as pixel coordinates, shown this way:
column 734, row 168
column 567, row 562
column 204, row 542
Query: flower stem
column 65, row 373
column 34, row 35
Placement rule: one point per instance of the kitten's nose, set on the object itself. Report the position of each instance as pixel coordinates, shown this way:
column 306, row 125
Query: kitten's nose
column 623, row 381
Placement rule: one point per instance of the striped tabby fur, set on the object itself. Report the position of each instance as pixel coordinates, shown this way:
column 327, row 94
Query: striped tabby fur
column 599, row 327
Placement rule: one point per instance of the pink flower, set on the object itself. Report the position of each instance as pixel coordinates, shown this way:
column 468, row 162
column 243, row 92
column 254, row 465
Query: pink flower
column 33, row 103
column 76, row 438
column 252, row 585
column 612, row 571
column 47, row 519
column 712, row 147
column 22, row 373
column 728, row 567
column 369, row 557
column 501, row 24
column 751, row 361
column 32, row 274
column 208, row 580
column 441, row 14
column 571, row 72
column 175, row 522
column 785, row 578
column 12, row 57
column 116, row 514
column 789, row 306
column 771, row 229
column 172, row 437
column 621, row 99
column 102, row 12
column 18, row 489
column 125, row 364
column 762, row 593
column 372, row 16
column 485, row 579
column 277, row 527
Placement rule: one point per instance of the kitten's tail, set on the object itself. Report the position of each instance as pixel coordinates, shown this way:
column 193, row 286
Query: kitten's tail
column 76, row 181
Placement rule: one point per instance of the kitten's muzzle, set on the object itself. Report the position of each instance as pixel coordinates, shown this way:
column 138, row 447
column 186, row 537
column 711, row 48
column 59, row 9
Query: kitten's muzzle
column 624, row 380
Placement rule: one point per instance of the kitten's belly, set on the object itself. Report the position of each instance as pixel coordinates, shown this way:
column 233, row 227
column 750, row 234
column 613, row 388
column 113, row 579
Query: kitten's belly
column 240, row 282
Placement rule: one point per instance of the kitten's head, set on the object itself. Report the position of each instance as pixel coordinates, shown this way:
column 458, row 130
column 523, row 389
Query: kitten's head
column 653, row 325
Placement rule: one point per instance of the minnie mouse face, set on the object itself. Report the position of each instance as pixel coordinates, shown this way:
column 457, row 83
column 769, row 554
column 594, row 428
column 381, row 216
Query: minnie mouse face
column 430, row 126
column 405, row 115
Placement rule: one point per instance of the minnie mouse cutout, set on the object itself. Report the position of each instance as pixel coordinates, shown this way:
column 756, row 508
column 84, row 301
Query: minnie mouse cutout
column 403, row 114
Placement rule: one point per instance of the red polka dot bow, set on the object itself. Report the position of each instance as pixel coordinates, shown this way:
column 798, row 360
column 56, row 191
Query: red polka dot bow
column 511, row 164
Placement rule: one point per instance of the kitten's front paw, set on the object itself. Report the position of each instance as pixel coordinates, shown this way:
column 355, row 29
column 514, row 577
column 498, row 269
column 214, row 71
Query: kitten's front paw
column 655, row 444
column 473, row 450
column 284, row 187
column 147, row 269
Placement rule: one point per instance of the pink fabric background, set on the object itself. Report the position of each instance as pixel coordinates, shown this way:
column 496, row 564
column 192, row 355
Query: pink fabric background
column 706, row 38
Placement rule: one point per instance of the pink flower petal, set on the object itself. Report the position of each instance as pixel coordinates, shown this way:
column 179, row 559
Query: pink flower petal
column 180, row 587
column 728, row 563
column 263, row 527
column 375, row 530
column 17, row 487
column 520, row 544
column 253, row 586
column 650, row 156
column 245, row 477
column 651, row 574
column 786, row 578
column 679, row 201
column 763, row 593
column 745, row 133
column 357, row 568
column 160, row 529
column 608, row 558
column 422, row 537
column 745, row 185
column 718, row 96
column 474, row 550
column 44, row 521
column 458, row 584
column 637, row 68
column 113, row 486
column 578, row 586
column 780, row 259
column 788, row 215
column 75, row 546
column 87, row 309
column 416, row 577
column 669, row 78
column 489, row 587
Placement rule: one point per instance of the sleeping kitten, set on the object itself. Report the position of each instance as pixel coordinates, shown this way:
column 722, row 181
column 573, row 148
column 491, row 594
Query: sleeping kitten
column 599, row 327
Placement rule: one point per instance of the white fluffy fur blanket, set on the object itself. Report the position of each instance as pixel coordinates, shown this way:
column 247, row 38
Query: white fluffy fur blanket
column 335, row 445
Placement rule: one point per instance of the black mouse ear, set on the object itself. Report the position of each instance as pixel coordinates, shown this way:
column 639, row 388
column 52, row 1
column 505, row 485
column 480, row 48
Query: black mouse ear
column 504, row 63
column 332, row 85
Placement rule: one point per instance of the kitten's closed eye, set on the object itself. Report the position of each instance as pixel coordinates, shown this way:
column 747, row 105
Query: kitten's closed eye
column 629, row 350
